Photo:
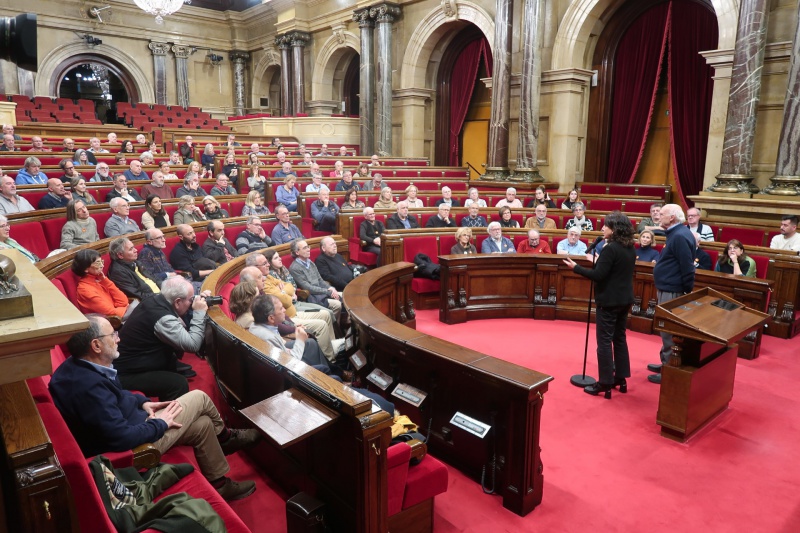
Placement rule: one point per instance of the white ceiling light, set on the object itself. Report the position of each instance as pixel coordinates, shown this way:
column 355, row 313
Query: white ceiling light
column 159, row 8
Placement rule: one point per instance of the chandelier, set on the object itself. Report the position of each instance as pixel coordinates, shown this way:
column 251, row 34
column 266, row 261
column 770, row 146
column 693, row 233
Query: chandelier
column 160, row 8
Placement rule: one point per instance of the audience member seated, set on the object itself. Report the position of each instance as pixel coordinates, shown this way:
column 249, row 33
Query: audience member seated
column 80, row 228
column 652, row 222
column 120, row 223
column 347, row 183
column 95, row 148
column 141, row 139
column 256, row 149
column 505, row 218
column 68, row 145
column 254, row 205
column 147, row 159
column 702, row 261
column 363, row 173
column 411, row 197
column 213, row 210
column 323, row 151
column 84, row 158
column 473, row 198
column 338, row 171
column 447, row 198
column 221, row 187
column 279, row 272
column 371, row 230
column 157, row 187
column 57, row 196
column 125, row 272
column 374, row 161
column 343, row 151
column 188, row 212
column 475, row 219
column 135, row 172
column 696, row 226
column 540, row 221
column 102, row 172
column 121, row 190
column 496, row 243
column 316, row 184
column 256, row 181
column 541, row 197
column 37, row 145
column 175, row 158
column 645, row 251
column 375, row 183
column 442, row 218
column 217, row 247
column 103, row 417
column 252, row 160
column 510, row 200
column 127, row 148
column 187, row 256
column 253, row 237
column 152, row 261
column 332, row 266
column 112, row 138
column 534, row 244
column 401, row 219
column 10, row 201
column 30, row 174
column 324, row 211
column 736, row 261
column 788, row 239
column 121, row 159
column 7, row 243
column 231, row 169
column 8, row 129
column 241, row 299
column 186, row 150
column 572, row 245
column 68, row 171
column 9, row 144
column 95, row 292
column 463, row 245
column 286, row 171
column 307, row 277
column 385, row 200
column 191, row 186
column 351, row 201
column 166, row 171
column 285, row 230
column 207, row 157
column 154, row 216
column 79, row 192
column 579, row 219
column 287, row 194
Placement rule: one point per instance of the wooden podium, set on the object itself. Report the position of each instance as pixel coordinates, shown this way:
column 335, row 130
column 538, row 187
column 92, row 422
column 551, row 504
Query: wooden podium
column 697, row 384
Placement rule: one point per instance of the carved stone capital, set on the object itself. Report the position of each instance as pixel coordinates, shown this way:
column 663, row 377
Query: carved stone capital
column 239, row 56
column 183, row 52
column 158, row 49
column 282, row 42
column 363, row 19
column 298, row 38
column 385, row 12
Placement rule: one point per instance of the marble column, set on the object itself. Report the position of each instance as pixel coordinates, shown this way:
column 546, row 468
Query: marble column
column 239, row 59
column 159, row 51
column 786, row 181
column 384, row 15
column 367, row 81
column 530, row 92
column 286, row 75
column 748, row 61
column 497, row 164
column 182, row 53
column 298, row 40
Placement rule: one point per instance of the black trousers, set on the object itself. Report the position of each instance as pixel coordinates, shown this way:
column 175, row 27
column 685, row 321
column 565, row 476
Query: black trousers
column 161, row 384
column 613, row 360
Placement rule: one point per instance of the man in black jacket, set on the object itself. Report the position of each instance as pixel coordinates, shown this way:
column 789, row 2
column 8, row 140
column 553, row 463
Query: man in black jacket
column 332, row 267
column 442, row 218
column 125, row 273
column 370, row 233
column 187, row 255
column 401, row 219
column 216, row 247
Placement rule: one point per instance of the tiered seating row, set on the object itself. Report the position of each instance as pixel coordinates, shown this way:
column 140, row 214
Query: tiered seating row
column 146, row 117
column 45, row 109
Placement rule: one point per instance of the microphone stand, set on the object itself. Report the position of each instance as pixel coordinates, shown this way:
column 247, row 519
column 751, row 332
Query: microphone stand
column 582, row 380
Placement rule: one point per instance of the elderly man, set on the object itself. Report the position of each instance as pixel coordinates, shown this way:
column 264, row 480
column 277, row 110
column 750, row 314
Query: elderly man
column 8, row 129
column 695, row 226
column 175, row 158
column 324, row 211
column 67, row 166
column 323, row 151
column 541, row 220
column 447, row 198
column 120, row 223
column 401, row 219
column 343, row 151
column 30, row 174
column 152, row 261
column 10, row 201
column 307, row 161
column 281, row 159
column 135, row 171
column 95, row 148
column 702, row 261
column 186, row 150
column 534, row 244
column 375, row 183
column 191, row 186
column 9, row 144
column 653, row 221
column 102, row 172
column 37, row 145
column 112, row 138
column 217, row 247
column 579, row 219
column 80, row 228
column 68, row 145
column 57, row 196
column 331, row 266
column 788, row 239
column 285, row 171
column 255, row 149
column 125, row 272
column 105, row 417
column 316, row 184
column 284, row 231
column 307, row 277
column 121, row 190
column 221, row 187
column 442, row 218
column 157, row 187
column 231, row 141
column 496, row 243
column 253, row 237
column 374, row 161
column 510, row 200
column 141, row 139
column 572, row 245
column 370, row 233
column 301, row 150
column 347, row 182
column 475, row 219
column 187, row 256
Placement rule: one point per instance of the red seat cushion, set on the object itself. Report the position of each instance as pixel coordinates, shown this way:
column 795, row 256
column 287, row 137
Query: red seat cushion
column 31, row 236
column 425, row 480
column 424, row 285
column 397, row 458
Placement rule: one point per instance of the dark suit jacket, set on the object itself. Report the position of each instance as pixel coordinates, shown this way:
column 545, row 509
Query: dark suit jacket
column 453, row 202
column 334, row 270
column 114, row 194
column 393, row 222
column 436, row 222
column 124, row 277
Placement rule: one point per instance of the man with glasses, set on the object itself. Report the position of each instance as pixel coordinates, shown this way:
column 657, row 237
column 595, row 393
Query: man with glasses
column 125, row 272
column 37, row 145
column 284, row 231
column 253, row 237
column 67, row 166
column 120, row 223
column 102, row 172
column 7, row 243
column 157, row 187
column 121, row 189
column 533, row 244
column 695, row 226
column 305, row 273
column 105, row 417
column 187, row 150
column 69, row 145
column 221, row 187
column 541, row 220
column 10, row 201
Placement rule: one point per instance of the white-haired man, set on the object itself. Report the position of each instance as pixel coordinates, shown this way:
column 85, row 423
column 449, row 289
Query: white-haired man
column 496, row 243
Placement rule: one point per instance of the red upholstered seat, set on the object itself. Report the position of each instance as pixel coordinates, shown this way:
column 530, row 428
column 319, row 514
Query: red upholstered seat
column 425, row 480
column 52, row 231
column 424, row 285
column 397, row 458
column 31, row 236
column 604, row 205
column 747, row 236
column 762, row 264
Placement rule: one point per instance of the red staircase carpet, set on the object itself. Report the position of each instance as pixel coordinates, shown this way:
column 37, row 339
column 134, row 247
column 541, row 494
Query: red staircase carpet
column 606, row 467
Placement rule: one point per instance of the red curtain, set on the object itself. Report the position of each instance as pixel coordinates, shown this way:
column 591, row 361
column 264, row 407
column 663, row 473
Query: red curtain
column 462, row 83
column 690, row 92
column 637, row 66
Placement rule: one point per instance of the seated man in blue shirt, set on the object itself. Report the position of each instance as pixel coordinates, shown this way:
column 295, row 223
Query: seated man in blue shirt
column 57, row 196
column 496, row 243
column 324, row 211
column 402, row 219
column 104, row 417
column 572, row 245
column 284, row 231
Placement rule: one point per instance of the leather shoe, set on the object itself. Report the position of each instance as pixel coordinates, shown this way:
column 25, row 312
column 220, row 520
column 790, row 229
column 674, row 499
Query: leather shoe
column 240, row 439
column 654, row 378
column 652, row 367
column 236, row 490
column 185, row 370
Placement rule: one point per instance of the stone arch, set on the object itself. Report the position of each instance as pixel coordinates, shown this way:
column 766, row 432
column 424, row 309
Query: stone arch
column 584, row 18
column 428, row 36
column 49, row 74
column 268, row 66
column 332, row 58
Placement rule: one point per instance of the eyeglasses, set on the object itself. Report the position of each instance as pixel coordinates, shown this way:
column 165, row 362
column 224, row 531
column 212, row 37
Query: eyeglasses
column 158, row 238
column 4, row 226
column 115, row 334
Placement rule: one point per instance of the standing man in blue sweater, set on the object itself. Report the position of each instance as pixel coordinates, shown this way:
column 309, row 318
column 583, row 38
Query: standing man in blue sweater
column 673, row 273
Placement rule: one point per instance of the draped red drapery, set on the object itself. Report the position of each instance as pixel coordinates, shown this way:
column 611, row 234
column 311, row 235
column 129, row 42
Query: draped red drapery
column 462, row 83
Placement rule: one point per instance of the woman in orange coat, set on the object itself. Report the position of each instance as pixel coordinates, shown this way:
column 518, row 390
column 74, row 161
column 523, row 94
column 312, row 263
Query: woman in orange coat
column 97, row 293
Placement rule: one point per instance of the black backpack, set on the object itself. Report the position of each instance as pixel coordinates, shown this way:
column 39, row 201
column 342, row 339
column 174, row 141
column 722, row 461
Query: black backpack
column 425, row 267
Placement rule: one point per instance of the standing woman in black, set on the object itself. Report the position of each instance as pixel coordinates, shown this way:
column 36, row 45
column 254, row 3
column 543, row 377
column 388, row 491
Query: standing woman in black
column 613, row 275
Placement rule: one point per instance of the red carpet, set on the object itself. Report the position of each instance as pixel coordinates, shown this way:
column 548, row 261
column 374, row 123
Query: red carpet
column 606, row 466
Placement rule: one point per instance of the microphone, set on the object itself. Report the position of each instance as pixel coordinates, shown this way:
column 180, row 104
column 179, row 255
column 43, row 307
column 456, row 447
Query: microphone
column 594, row 244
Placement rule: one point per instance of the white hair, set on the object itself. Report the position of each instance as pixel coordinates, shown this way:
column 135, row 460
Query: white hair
column 493, row 225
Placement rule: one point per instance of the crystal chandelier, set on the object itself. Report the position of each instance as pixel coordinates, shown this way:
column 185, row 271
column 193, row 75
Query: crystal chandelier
column 160, row 8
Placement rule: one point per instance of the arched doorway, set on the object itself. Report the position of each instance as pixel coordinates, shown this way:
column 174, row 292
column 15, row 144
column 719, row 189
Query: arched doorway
column 351, row 86
column 268, row 90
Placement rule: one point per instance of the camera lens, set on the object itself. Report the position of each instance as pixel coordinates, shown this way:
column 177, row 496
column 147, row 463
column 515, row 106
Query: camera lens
column 18, row 40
